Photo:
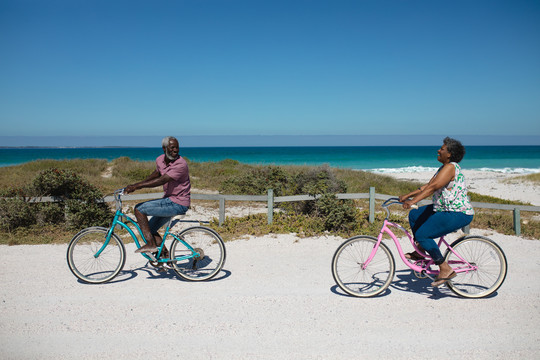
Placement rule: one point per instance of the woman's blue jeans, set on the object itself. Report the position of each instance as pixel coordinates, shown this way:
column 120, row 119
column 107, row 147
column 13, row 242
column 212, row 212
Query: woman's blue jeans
column 428, row 225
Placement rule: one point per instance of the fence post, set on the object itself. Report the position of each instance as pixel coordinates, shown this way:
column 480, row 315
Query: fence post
column 372, row 204
column 517, row 222
column 270, row 206
column 221, row 210
column 66, row 213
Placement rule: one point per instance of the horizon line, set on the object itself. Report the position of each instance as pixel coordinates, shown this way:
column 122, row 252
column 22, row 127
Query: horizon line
column 79, row 141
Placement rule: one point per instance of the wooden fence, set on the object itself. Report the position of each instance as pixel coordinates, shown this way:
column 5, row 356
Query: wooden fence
column 270, row 199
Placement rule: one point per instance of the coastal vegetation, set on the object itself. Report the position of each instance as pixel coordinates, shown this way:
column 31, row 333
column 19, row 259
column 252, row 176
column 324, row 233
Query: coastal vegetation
column 535, row 178
column 78, row 203
column 80, row 182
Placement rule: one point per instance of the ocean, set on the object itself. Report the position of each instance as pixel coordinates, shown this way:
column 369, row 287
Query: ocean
column 382, row 159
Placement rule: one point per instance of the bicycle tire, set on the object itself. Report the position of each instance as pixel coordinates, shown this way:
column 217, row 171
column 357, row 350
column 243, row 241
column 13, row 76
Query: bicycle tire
column 347, row 267
column 205, row 241
column 490, row 261
column 85, row 265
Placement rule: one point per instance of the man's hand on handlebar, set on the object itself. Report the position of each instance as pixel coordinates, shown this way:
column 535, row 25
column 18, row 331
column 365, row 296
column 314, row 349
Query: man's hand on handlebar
column 129, row 189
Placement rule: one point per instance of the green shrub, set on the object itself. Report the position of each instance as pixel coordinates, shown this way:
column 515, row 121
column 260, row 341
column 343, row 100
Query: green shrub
column 336, row 214
column 82, row 201
column 79, row 203
column 15, row 213
column 257, row 181
column 315, row 181
column 319, row 180
column 49, row 213
column 81, row 214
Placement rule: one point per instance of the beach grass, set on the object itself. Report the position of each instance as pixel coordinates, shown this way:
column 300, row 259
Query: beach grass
column 109, row 176
column 534, row 178
column 493, row 200
column 22, row 175
column 37, row 234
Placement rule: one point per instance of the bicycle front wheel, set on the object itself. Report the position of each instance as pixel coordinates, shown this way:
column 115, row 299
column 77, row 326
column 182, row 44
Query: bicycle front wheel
column 487, row 264
column 354, row 275
column 94, row 259
column 205, row 260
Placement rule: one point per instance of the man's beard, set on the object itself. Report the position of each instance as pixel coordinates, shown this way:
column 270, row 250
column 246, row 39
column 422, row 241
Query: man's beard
column 169, row 156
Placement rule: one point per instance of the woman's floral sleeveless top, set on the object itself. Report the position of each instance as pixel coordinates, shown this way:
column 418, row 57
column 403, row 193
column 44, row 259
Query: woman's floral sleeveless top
column 453, row 197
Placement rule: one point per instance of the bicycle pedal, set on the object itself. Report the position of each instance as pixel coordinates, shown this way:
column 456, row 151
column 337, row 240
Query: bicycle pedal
column 429, row 276
column 161, row 269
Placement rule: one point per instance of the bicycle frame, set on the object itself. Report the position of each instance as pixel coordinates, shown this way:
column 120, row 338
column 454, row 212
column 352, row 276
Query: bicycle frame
column 421, row 266
column 117, row 221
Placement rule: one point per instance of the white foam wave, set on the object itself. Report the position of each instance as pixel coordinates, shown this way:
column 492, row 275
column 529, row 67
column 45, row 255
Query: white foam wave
column 509, row 170
column 407, row 169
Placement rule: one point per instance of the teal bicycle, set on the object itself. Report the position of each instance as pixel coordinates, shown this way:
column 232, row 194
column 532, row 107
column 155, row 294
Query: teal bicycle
column 97, row 254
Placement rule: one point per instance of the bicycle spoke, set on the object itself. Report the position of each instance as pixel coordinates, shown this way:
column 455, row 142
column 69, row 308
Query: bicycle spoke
column 485, row 271
column 84, row 263
column 205, row 260
column 357, row 278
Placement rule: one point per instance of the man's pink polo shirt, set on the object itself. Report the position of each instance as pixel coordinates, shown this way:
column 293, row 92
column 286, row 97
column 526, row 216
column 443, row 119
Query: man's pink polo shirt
column 179, row 189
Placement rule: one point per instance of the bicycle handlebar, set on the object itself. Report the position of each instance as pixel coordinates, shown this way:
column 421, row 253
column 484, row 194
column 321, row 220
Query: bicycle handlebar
column 117, row 197
column 394, row 201
column 391, row 201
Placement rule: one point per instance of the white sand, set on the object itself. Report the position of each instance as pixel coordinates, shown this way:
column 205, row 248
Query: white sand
column 504, row 186
column 275, row 299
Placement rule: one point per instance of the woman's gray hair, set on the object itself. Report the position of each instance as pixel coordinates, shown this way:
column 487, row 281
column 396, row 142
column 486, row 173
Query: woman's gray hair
column 166, row 139
column 455, row 148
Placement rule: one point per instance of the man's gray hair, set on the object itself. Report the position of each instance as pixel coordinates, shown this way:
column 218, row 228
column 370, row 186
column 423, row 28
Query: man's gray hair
column 166, row 139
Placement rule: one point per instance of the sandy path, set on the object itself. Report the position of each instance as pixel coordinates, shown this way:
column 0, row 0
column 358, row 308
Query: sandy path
column 275, row 299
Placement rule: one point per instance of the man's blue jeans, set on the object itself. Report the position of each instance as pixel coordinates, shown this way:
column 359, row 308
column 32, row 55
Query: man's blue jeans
column 161, row 210
column 428, row 225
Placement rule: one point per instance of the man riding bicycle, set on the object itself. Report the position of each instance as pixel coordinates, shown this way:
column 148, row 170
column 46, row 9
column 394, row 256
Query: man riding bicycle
column 172, row 172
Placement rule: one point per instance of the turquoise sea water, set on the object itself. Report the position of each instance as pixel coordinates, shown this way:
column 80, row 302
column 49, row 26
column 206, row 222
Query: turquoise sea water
column 510, row 159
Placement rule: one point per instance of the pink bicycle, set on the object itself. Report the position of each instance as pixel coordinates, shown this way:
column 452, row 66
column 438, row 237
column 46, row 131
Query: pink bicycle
column 364, row 266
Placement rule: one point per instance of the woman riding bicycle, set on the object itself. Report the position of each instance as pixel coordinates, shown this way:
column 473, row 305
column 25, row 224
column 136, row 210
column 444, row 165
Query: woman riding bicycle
column 451, row 208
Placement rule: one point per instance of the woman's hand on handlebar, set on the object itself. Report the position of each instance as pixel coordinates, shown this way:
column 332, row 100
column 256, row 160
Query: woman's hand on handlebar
column 406, row 201
column 408, row 204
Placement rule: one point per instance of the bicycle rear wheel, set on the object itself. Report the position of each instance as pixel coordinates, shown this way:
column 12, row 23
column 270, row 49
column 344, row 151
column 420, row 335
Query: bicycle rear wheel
column 210, row 249
column 84, row 261
column 489, row 263
column 349, row 272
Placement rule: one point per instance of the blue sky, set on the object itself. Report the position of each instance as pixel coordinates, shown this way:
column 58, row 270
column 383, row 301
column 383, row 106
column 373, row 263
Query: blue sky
column 216, row 67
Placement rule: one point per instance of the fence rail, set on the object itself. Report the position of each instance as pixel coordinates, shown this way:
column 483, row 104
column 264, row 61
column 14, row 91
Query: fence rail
column 270, row 199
